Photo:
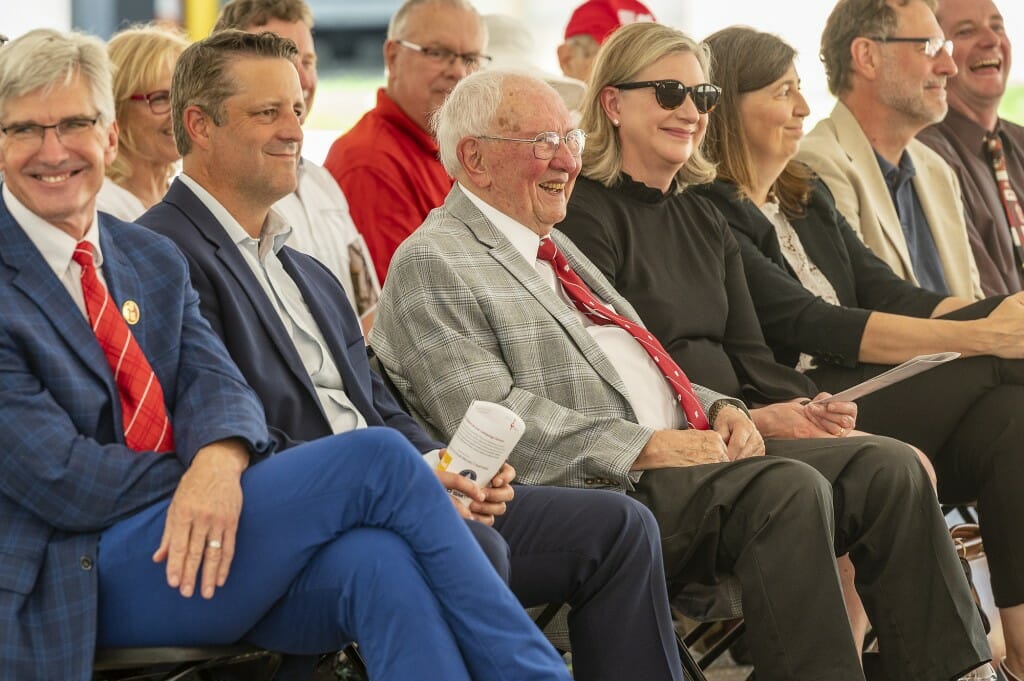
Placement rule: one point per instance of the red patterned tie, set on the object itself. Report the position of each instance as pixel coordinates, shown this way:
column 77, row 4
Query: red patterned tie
column 1014, row 215
column 146, row 426
column 598, row 313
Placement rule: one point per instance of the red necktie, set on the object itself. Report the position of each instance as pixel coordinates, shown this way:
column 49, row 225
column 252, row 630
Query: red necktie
column 1014, row 215
column 598, row 313
column 146, row 426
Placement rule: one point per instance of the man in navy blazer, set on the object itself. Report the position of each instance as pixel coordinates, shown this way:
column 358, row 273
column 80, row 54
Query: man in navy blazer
column 287, row 323
column 346, row 537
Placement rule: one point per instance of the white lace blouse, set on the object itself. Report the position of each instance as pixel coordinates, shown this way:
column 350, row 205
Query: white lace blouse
column 806, row 271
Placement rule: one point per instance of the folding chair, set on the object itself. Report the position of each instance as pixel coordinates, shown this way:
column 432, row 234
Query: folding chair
column 177, row 663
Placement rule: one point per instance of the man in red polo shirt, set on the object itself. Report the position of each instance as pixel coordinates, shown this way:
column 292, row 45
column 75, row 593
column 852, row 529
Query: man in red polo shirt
column 387, row 163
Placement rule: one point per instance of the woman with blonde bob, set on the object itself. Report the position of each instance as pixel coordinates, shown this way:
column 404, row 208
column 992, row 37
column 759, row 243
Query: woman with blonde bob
column 672, row 255
column 828, row 305
column 144, row 58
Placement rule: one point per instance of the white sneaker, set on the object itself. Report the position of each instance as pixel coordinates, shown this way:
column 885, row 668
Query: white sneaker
column 983, row 673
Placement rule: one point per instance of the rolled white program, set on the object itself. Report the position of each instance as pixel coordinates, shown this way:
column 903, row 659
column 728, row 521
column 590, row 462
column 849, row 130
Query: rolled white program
column 481, row 444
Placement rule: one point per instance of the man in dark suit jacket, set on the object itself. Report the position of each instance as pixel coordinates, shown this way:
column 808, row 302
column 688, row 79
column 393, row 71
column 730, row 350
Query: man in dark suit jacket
column 288, row 324
column 85, row 500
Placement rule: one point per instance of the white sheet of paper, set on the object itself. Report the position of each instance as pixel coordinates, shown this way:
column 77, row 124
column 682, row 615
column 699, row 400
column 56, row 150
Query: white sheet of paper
column 909, row 368
column 486, row 436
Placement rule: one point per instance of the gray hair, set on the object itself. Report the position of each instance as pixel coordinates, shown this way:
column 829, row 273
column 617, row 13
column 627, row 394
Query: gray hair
column 471, row 109
column 45, row 59
column 849, row 20
column 396, row 27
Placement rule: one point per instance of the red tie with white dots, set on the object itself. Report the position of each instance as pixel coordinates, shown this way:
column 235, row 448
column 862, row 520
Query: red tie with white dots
column 146, row 425
column 587, row 303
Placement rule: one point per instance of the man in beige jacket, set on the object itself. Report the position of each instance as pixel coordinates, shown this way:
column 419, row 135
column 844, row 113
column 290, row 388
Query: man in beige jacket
column 888, row 62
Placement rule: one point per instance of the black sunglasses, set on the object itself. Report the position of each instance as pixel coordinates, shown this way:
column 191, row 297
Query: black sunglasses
column 671, row 93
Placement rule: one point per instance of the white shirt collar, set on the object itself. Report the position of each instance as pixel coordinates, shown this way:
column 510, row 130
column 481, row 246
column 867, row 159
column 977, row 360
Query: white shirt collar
column 55, row 245
column 525, row 240
column 275, row 226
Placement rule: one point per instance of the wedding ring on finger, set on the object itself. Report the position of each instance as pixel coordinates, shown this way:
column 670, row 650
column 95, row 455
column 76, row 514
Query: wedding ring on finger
column 213, row 544
column 842, row 432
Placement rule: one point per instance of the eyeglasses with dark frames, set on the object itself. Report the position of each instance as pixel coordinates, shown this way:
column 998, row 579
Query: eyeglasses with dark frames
column 932, row 46
column 545, row 145
column 471, row 60
column 33, row 134
column 671, row 93
column 159, row 101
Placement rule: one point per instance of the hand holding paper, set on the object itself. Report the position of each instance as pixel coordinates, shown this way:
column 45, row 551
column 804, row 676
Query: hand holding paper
column 482, row 443
column 898, row 373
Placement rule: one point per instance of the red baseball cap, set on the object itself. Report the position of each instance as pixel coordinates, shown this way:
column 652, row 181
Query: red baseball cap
column 600, row 18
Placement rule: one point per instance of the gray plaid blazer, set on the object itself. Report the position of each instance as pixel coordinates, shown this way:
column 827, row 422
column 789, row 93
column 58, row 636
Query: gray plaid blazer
column 463, row 316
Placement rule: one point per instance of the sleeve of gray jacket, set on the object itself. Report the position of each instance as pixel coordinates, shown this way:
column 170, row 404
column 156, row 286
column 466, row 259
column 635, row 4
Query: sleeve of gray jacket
column 438, row 345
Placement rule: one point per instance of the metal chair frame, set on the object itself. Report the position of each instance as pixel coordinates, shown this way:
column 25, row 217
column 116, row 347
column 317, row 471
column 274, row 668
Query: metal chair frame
column 175, row 663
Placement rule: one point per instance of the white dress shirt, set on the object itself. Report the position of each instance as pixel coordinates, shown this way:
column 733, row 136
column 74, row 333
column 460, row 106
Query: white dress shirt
column 261, row 257
column 650, row 395
column 322, row 228
column 56, row 247
column 118, row 201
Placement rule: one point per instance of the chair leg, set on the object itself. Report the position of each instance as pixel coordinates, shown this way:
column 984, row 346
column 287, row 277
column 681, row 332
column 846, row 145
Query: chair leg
column 691, row 670
column 356, row 661
column 696, row 633
column 548, row 614
column 720, row 646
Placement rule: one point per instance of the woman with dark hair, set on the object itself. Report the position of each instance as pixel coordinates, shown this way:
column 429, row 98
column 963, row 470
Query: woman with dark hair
column 828, row 306
column 672, row 255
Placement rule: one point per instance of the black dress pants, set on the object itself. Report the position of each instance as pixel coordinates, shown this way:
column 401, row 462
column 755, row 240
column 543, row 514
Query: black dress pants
column 598, row 551
column 968, row 417
column 777, row 522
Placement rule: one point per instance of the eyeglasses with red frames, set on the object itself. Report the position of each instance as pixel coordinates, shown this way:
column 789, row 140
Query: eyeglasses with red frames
column 671, row 93
column 159, row 101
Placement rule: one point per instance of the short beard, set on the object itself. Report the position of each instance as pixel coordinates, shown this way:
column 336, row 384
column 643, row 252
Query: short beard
column 895, row 95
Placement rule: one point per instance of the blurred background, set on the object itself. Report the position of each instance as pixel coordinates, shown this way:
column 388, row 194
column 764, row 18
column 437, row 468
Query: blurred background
column 349, row 34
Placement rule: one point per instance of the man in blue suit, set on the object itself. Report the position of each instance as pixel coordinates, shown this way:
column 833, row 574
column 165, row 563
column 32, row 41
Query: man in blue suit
column 286, row 321
column 104, row 539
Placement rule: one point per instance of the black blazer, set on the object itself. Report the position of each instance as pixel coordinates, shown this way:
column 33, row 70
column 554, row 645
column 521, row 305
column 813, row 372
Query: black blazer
column 240, row 313
column 674, row 258
column 793, row 319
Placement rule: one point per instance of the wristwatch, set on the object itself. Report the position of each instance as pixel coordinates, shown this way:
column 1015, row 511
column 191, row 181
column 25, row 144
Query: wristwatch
column 719, row 405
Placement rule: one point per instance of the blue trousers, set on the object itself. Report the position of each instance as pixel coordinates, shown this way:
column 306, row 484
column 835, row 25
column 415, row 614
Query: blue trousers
column 350, row 537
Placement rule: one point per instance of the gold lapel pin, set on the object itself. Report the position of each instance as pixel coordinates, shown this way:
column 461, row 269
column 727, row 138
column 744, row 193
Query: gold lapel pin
column 130, row 312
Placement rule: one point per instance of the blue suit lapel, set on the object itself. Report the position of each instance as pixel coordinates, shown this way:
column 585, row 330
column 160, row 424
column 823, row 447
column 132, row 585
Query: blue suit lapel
column 123, row 283
column 180, row 196
column 356, row 387
column 37, row 281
